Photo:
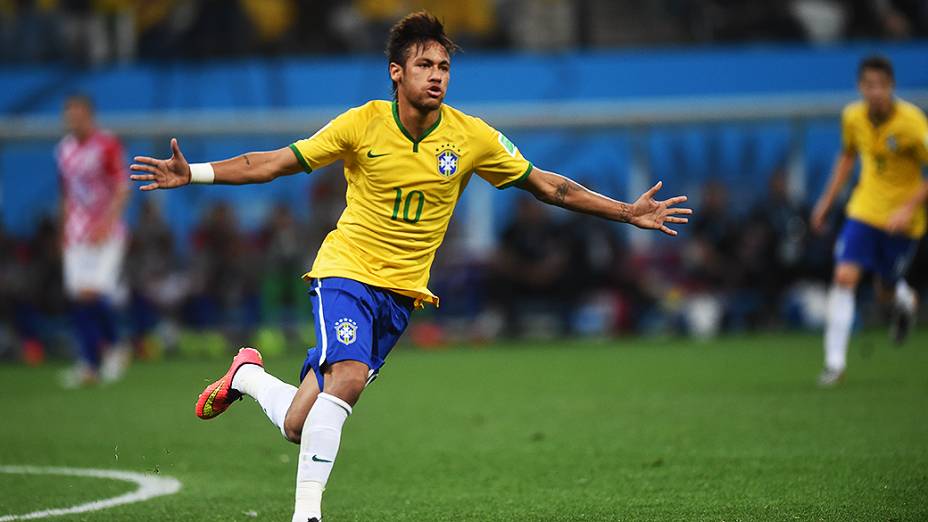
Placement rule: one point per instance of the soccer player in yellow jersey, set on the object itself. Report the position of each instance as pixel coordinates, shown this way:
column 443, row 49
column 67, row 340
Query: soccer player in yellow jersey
column 406, row 163
column 886, row 212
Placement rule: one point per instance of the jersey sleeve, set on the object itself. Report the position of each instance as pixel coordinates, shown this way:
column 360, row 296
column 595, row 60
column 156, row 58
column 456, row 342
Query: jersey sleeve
column 330, row 143
column 499, row 160
column 115, row 162
column 848, row 144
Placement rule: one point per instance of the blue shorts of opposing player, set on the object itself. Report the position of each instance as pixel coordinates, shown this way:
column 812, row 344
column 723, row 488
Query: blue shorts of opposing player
column 875, row 250
column 354, row 322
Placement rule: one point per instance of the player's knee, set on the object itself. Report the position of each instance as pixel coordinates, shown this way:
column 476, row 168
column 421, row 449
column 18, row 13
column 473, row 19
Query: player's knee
column 87, row 295
column 348, row 390
column 885, row 292
column 293, row 428
column 846, row 277
column 347, row 381
column 845, row 280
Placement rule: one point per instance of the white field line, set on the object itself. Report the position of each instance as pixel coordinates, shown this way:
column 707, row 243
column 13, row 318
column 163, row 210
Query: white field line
column 148, row 487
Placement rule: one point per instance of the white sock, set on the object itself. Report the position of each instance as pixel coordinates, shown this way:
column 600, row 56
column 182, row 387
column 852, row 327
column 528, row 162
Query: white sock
column 272, row 394
column 904, row 296
column 838, row 326
column 321, row 435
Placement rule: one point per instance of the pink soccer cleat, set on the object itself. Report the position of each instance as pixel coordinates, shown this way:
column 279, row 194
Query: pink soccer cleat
column 217, row 397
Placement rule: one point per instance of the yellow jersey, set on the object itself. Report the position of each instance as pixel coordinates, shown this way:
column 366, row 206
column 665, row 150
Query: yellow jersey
column 892, row 155
column 401, row 190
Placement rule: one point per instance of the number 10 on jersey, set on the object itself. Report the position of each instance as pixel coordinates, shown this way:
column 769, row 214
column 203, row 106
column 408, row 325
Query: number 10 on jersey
column 415, row 198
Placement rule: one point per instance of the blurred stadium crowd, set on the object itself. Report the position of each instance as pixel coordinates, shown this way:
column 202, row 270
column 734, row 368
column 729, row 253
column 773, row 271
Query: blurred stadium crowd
column 96, row 32
column 552, row 274
column 740, row 264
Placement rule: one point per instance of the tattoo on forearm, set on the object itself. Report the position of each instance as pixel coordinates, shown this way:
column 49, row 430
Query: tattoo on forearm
column 247, row 162
column 582, row 200
column 624, row 213
column 561, row 193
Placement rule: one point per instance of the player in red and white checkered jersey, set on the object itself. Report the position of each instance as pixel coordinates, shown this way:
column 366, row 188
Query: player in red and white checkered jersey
column 94, row 184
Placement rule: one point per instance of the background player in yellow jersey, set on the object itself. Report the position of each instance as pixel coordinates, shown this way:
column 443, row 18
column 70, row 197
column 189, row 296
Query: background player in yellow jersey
column 406, row 163
column 886, row 212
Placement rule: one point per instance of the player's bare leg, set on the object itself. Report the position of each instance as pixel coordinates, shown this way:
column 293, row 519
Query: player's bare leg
column 903, row 305
column 321, row 434
column 299, row 408
column 839, row 322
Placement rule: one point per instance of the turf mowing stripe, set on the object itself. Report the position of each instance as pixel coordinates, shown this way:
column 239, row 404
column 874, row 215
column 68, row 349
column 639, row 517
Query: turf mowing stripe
column 149, row 487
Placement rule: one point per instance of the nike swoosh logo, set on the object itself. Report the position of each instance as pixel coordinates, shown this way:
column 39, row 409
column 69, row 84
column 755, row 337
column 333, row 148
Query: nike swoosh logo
column 370, row 154
column 208, row 406
column 317, row 459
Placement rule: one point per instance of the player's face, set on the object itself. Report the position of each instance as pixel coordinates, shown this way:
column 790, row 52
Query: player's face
column 876, row 88
column 423, row 80
column 78, row 118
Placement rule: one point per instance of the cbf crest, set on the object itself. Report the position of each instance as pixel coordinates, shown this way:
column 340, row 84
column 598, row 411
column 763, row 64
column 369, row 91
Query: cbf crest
column 891, row 143
column 449, row 158
column 346, row 331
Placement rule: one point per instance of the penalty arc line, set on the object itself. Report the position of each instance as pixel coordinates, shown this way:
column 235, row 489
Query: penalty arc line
column 148, row 487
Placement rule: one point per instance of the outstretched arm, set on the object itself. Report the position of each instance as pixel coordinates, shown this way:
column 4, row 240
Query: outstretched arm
column 253, row 167
column 645, row 212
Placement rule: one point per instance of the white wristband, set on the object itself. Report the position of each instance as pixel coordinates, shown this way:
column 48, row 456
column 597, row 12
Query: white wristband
column 202, row 173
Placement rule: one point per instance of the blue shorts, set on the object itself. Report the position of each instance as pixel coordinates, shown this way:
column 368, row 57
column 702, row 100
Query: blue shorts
column 354, row 322
column 875, row 250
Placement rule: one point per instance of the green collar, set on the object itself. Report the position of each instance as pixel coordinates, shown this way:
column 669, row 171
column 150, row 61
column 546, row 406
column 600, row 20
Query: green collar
column 415, row 142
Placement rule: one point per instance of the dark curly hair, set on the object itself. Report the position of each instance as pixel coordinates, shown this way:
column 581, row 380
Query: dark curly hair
column 876, row 63
column 414, row 30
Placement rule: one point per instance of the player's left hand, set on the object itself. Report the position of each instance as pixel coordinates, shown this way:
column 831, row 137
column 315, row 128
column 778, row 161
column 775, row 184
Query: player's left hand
column 900, row 220
column 647, row 212
column 162, row 174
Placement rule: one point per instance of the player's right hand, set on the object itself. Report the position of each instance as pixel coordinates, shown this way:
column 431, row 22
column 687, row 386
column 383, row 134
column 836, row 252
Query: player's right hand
column 819, row 218
column 163, row 174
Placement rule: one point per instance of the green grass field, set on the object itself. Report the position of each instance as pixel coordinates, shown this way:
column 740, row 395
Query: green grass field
column 732, row 429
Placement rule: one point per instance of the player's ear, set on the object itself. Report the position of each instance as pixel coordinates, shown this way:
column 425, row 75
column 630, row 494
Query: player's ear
column 396, row 71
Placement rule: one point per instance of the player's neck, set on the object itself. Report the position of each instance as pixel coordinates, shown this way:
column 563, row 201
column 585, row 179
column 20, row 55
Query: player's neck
column 414, row 120
column 84, row 134
column 877, row 117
